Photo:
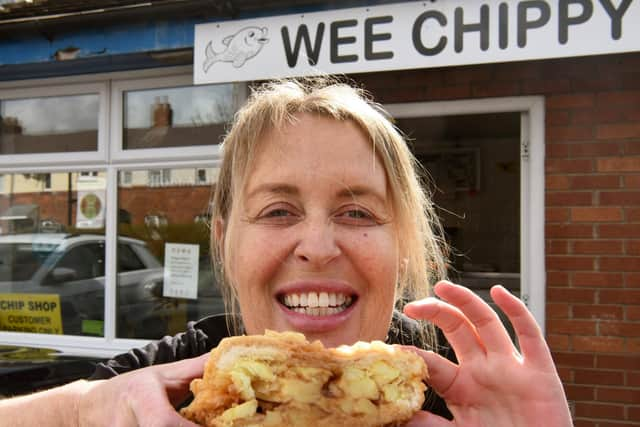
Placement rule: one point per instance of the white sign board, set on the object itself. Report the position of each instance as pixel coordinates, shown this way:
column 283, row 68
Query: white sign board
column 412, row 35
column 91, row 204
column 181, row 270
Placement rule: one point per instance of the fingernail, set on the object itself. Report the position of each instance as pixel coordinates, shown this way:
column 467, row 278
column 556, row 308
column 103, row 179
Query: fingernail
column 423, row 301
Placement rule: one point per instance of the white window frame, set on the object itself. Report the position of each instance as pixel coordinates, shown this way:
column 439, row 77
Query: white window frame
column 118, row 154
column 68, row 157
column 109, row 86
column 531, row 109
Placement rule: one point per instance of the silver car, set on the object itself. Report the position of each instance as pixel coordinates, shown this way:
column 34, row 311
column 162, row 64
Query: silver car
column 73, row 268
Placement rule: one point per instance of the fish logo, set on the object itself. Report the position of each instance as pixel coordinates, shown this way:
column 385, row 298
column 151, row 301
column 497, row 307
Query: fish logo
column 240, row 47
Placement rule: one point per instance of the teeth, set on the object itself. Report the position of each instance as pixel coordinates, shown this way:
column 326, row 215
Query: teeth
column 317, row 303
column 323, row 300
column 312, row 299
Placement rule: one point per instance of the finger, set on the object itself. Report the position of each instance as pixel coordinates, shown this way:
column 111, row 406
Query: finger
column 459, row 331
column 492, row 332
column 184, row 370
column 427, row 419
column 442, row 372
column 149, row 401
column 532, row 344
column 177, row 376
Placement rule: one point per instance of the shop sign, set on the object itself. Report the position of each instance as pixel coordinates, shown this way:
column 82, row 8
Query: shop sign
column 37, row 313
column 412, row 35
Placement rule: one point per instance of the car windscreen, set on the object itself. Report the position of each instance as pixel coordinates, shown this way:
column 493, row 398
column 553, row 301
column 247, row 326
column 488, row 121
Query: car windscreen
column 20, row 261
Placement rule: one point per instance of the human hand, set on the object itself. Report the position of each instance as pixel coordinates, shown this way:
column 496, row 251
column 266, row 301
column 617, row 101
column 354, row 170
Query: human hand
column 493, row 384
column 144, row 397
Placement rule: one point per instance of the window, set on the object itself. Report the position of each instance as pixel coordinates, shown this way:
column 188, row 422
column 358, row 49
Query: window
column 127, row 259
column 126, row 178
column 65, row 243
column 166, row 176
column 176, row 116
column 483, row 154
column 162, row 215
column 85, row 261
column 49, row 124
column 201, row 176
column 155, row 178
column 47, row 255
column 46, row 181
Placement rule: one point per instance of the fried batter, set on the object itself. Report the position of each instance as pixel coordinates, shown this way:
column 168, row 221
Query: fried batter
column 280, row 379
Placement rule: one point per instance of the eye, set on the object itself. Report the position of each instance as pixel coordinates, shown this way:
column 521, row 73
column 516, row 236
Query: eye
column 356, row 216
column 252, row 34
column 278, row 214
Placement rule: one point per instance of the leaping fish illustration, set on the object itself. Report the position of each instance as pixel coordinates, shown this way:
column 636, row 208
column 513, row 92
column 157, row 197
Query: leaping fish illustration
column 240, row 47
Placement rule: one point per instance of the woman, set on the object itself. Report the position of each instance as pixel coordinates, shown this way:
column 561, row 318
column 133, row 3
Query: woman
column 321, row 226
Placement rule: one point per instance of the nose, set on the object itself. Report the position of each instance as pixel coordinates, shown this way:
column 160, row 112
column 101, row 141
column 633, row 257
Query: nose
column 317, row 245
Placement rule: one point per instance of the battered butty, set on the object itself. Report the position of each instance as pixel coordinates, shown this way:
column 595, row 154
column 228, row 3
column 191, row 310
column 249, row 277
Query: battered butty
column 281, row 379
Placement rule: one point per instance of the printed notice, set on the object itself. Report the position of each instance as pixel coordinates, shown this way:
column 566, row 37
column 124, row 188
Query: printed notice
column 38, row 313
column 181, row 270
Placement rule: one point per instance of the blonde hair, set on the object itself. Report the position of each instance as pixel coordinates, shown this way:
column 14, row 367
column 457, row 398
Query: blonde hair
column 274, row 105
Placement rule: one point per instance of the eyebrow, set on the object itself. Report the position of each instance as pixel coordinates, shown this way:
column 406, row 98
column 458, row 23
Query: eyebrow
column 275, row 188
column 357, row 191
column 345, row 193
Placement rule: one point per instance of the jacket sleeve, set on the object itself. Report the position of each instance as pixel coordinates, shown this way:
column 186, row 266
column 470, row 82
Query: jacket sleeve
column 199, row 338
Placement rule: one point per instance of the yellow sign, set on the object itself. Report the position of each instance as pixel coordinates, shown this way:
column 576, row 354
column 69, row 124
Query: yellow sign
column 39, row 313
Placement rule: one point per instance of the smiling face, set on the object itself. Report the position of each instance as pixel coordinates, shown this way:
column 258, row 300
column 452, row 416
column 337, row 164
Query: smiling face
column 311, row 244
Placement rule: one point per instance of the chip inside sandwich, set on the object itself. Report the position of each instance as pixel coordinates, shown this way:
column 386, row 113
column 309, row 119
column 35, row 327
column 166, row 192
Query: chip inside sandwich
column 281, row 379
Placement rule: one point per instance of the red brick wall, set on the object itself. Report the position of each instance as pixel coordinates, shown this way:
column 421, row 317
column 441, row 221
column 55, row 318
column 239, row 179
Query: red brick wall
column 179, row 204
column 592, row 212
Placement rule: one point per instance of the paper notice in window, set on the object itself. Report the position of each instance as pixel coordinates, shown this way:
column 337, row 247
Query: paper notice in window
column 181, row 270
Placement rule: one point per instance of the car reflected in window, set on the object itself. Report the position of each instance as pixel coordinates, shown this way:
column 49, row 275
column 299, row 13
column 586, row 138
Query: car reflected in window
column 70, row 269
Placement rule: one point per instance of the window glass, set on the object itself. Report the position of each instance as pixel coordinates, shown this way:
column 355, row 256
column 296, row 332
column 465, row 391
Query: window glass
column 164, row 221
column 49, row 124
column 178, row 116
column 473, row 162
column 52, row 253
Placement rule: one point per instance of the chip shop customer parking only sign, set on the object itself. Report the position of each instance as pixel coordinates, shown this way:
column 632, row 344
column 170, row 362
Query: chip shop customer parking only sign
column 38, row 313
column 412, row 35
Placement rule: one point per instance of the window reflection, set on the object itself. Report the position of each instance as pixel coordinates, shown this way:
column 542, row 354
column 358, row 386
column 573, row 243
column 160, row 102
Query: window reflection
column 49, row 124
column 181, row 116
column 165, row 208
column 52, row 253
